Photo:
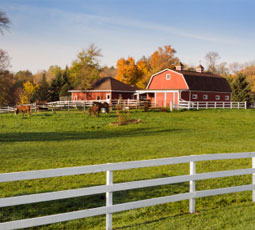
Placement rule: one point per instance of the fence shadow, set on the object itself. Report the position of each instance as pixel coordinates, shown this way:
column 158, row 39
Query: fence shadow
column 86, row 135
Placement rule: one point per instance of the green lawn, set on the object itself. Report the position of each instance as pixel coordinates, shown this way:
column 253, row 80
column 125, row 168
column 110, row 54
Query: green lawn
column 47, row 140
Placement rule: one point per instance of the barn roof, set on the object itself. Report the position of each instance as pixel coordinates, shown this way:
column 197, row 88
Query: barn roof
column 109, row 83
column 205, row 81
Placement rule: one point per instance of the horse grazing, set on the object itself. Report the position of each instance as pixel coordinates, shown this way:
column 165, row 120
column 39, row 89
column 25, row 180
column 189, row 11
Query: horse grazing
column 96, row 108
column 23, row 109
column 106, row 106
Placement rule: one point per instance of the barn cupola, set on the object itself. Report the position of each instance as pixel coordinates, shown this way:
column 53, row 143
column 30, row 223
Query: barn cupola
column 200, row 69
column 179, row 66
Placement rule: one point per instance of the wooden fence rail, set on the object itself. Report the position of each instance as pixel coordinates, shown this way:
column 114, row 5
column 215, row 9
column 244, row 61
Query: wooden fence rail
column 212, row 105
column 110, row 187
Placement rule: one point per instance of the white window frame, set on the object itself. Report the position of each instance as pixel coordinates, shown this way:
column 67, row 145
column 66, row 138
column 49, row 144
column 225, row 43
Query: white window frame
column 217, row 97
column 168, row 76
column 194, row 96
column 227, row 97
column 108, row 96
column 205, row 96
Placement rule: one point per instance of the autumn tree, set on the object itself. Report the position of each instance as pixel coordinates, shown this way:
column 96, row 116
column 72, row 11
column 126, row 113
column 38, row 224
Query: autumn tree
column 127, row 71
column 163, row 58
column 23, row 76
column 139, row 73
column 29, row 90
column 85, row 69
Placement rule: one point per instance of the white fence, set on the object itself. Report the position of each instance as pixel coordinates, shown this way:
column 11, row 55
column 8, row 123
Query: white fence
column 110, row 187
column 10, row 109
column 212, row 105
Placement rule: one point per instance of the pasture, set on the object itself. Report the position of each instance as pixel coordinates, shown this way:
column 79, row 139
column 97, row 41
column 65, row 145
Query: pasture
column 47, row 140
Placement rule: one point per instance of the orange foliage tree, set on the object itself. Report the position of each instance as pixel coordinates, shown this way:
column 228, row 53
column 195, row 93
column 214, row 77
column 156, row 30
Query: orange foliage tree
column 138, row 73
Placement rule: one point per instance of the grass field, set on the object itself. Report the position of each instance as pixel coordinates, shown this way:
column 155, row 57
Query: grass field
column 47, row 140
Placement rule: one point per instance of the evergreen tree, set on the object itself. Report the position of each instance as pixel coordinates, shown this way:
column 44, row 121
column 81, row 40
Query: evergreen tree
column 55, row 87
column 241, row 90
column 43, row 92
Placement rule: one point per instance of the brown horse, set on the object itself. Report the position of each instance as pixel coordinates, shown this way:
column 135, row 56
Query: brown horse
column 23, row 109
column 96, row 108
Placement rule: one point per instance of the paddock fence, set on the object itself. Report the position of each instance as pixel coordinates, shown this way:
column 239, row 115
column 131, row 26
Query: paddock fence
column 109, row 188
column 211, row 105
column 10, row 109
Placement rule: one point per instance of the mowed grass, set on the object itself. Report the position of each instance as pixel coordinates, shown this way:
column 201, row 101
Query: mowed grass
column 47, row 140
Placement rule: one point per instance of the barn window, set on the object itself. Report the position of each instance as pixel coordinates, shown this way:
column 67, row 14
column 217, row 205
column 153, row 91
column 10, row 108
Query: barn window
column 217, row 97
column 194, row 96
column 205, row 97
column 75, row 98
column 226, row 98
column 107, row 96
column 98, row 97
column 168, row 76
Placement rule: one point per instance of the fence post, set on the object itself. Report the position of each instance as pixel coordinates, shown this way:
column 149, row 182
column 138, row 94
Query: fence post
column 245, row 105
column 238, row 105
column 253, row 179
column 206, row 105
column 109, row 181
column 171, row 106
column 192, row 187
column 231, row 104
column 68, row 105
column 215, row 105
column 8, row 109
column 223, row 105
column 197, row 105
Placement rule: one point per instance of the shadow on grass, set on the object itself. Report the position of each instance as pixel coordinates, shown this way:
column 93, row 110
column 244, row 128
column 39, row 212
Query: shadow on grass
column 98, row 134
column 86, row 202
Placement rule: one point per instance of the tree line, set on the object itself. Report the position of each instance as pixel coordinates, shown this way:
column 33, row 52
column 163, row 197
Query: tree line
column 52, row 84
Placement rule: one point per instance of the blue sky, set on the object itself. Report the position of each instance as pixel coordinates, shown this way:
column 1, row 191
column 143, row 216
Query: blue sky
column 52, row 32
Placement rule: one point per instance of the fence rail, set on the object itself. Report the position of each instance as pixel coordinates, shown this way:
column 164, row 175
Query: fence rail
column 110, row 187
column 212, row 105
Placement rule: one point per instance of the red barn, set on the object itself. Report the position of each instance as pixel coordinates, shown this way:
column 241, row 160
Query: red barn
column 106, row 89
column 181, row 85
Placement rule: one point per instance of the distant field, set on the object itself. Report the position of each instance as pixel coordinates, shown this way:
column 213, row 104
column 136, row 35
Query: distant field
column 47, row 140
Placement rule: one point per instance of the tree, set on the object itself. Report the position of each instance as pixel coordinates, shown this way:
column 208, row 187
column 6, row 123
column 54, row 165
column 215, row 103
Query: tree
column 108, row 71
column 4, row 60
column 241, row 90
column 42, row 93
column 127, row 71
column 4, row 22
column 85, row 69
column 28, row 92
column 211, row 58
column 6, row 87
column 23, row 76
column 163, row 58
column 66, row 83
column 55, row 87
